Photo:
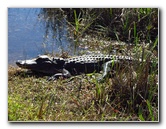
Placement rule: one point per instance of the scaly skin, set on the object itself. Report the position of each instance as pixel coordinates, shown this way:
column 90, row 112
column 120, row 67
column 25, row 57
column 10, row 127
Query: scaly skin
column 72, row 66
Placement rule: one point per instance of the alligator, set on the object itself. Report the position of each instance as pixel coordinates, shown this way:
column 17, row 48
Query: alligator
column 60, row 67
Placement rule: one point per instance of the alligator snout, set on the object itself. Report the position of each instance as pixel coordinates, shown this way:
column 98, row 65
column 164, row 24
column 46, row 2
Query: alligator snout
column 19, row 63
column 25, row 63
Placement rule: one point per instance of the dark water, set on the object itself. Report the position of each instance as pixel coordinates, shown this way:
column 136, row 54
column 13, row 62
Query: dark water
column 29, row 37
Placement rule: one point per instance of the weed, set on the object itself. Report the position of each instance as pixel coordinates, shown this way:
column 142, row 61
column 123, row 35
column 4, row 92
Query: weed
column 129, row 94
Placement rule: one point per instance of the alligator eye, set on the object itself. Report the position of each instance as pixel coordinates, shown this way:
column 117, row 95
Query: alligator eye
column 40, row 59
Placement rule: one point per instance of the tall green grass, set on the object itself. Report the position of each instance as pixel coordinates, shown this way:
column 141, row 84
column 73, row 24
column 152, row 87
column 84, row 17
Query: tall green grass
column 129, row 94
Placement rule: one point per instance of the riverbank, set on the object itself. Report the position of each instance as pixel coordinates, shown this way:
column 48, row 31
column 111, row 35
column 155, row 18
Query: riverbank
column 81, row 98
column 131, row 93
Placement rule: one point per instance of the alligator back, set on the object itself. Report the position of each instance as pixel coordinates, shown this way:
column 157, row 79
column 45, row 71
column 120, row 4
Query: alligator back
column 89, row 63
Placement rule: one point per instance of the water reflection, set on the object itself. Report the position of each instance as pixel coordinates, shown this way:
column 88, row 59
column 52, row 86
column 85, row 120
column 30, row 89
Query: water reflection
column 33, row 31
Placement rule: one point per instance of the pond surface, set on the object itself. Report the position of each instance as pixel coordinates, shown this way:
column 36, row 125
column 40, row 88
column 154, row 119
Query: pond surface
column 29, row 37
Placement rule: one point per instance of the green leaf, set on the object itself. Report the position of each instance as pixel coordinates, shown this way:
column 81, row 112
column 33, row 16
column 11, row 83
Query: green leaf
column 76, row 21
column 140, row 114
column 135, row 30
column 150, row 110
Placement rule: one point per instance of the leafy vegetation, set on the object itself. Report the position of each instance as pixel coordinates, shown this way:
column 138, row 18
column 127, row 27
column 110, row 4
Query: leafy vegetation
column 124, row 24
column 129, row 94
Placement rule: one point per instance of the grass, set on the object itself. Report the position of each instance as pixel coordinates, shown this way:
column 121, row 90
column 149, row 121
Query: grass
column 129, row 94
column 122, row 24
column 84, row 25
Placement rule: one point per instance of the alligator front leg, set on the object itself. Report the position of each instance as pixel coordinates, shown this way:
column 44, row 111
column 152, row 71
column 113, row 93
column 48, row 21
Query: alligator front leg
column 65, row 74
column 107, row 68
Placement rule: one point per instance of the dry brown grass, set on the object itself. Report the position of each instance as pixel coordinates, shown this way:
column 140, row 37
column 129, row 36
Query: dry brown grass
column 129, row 95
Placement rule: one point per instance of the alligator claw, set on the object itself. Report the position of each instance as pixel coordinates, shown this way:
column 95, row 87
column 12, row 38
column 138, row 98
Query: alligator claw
column 51, row 79
column 65, row 68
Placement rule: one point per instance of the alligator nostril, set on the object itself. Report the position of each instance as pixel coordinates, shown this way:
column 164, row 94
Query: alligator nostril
column 19, row 62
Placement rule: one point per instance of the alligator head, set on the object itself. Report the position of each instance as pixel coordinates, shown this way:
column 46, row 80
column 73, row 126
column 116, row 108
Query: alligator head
column 43, row 64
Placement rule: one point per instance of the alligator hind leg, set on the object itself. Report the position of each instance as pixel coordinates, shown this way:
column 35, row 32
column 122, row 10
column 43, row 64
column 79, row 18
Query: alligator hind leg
column 65, row 74
column 106, row 69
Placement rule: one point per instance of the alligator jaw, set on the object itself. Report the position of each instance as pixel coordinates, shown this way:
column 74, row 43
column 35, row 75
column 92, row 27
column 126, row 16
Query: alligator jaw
column 34, row 63
column 28, row 64
column 42, row 64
